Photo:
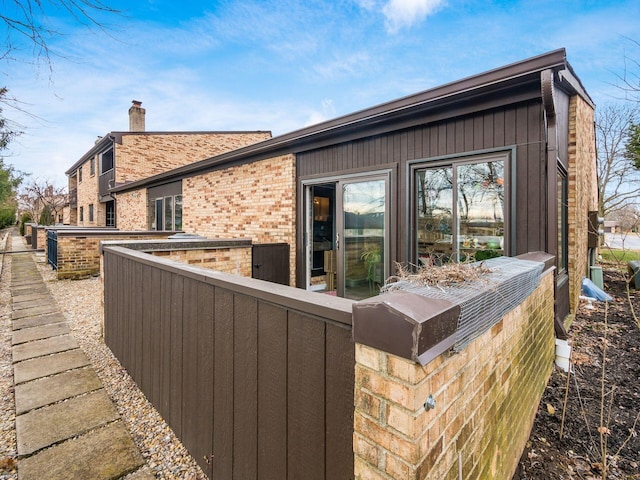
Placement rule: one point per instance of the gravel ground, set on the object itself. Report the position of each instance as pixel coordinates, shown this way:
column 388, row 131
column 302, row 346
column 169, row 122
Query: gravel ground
column 80, row 301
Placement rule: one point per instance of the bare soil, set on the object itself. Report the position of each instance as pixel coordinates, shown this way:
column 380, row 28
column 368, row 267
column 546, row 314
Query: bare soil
column 601, row 416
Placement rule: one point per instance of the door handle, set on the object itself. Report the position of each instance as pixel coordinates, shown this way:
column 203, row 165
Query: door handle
column 337, row 241
column 257, row 265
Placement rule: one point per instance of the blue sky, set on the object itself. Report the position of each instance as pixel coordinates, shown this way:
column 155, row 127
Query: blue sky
column 281, row 65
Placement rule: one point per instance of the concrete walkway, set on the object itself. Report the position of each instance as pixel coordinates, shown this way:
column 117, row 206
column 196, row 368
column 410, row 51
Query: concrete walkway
column 66, row 424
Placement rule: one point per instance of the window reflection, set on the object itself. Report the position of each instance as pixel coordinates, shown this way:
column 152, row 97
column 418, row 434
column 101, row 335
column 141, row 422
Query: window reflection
column 460, row 212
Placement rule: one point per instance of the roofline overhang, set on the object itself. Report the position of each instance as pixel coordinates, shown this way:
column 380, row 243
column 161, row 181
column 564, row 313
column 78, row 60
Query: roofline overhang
column 519, row 73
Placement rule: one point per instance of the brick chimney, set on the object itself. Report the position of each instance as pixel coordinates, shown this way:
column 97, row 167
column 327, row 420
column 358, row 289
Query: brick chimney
column 136, row 117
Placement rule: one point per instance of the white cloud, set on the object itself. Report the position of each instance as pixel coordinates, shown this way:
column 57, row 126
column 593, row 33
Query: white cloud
column 327, row 111
column 404, row 13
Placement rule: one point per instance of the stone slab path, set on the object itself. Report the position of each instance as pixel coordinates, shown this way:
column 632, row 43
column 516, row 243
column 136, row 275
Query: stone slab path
column 66, row 424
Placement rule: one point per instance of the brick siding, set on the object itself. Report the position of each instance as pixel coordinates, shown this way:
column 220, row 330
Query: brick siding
column 131, row 210
column 255, row 201
column 486, row 399
column 236, row 261
column 583, row 193
column 141, row 156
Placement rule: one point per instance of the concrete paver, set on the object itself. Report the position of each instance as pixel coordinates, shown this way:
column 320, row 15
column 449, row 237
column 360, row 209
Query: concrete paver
column 106, row 454
column 37, row 333
column 49, row 365
column 66, row 425
column 34, row 311
column 46, row 346
column 39, row 320
column 32, row 303
column 30, row 297
column 63, row 420
column 45, row 391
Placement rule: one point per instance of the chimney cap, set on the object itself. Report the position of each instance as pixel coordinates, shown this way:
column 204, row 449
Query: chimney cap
column 136, row 103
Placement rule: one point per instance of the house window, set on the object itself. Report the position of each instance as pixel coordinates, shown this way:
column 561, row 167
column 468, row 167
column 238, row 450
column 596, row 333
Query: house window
column 80, row 174
column 92, row 167
column 106, row 161
column 461, row 210
column 82, row 214
column 563, row 212
column 91, row 212
column 165, row 213
column 110, row 213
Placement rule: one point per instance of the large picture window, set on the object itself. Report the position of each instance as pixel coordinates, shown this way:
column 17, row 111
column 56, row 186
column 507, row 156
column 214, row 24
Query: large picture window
column 461, row 210
column 165, row 213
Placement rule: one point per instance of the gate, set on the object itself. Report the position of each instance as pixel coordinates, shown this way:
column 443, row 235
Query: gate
column 52, row 248
column 270, row 262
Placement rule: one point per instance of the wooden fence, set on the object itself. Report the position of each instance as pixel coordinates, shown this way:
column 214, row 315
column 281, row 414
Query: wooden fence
column 255, row 378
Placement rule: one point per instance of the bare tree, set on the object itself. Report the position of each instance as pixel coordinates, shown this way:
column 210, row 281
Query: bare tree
column 40, row 196
column 27, row 23
column 629, row 79
column 618, row 176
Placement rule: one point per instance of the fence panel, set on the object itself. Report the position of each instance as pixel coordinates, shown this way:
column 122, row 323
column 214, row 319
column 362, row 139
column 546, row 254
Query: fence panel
column 52, row 248
column 256, row 379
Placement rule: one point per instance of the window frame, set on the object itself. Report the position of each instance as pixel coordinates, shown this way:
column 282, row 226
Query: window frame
column 91, row 212
column 562, row 253
column 113, row 160
column 157, row 210
column 92, row 167
column 81, row 214
column 469, row 158
column 80, row 175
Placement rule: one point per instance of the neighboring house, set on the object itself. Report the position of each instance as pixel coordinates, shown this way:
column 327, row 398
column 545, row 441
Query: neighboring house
column 611, row 226
column 499, row 163
column 121, row 157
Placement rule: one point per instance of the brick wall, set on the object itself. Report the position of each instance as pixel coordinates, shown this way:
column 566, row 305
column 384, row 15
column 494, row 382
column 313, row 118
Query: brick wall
column 79, row 254
column 131, row 210
column 255, row 201
column 88, row 195
column 141, row 156
column 583, row 193
column 486, row 399
column 236, row 261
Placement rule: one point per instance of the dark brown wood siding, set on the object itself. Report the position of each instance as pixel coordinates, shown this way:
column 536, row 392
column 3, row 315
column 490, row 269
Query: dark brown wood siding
column 255, row 386
column 519, row 126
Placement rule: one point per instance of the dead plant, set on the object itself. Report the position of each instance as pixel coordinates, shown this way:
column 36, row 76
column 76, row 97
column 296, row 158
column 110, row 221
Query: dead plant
column 433, row 275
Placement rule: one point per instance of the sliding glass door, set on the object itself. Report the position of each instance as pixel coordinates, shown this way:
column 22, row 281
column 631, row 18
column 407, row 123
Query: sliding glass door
column 347, row 236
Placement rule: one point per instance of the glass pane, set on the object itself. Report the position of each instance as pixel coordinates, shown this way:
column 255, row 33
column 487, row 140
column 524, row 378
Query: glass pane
column 480, row 202
column 323, row 254
column 364, row 235
column 435, row 221
column 168, row 213
column 177, row 214
column 562, row 221
column 159, row 214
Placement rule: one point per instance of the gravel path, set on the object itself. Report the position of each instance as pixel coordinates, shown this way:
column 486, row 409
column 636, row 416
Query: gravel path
column 80, row 301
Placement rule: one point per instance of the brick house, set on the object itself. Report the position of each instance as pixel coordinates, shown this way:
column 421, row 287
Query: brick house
column 121, row 157
column 500, row 163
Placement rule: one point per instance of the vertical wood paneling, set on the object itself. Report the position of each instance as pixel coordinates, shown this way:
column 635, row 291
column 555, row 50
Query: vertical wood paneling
column 223, row 412
column 259, row 390
column 146, row 329
column 155, row 277
column 340, row 358
column 164, row 366
column 306, row 415
column 175, row 365
column 190, row 357
column 205, row 392
column 272, row 392
column 245, row 387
